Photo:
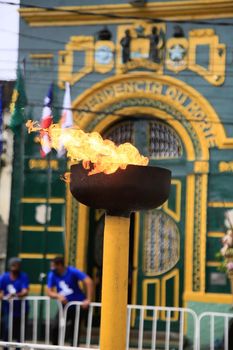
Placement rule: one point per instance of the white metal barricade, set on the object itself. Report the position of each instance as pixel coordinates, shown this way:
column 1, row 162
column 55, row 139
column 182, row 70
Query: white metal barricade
column 37, row 309
column 31, row 346
column 148, row 327
column 87, row 332
column 137, row 337
column 216, row 330
column 184, row 318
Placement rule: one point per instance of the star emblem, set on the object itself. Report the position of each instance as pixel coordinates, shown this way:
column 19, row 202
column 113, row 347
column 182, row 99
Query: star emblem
column 177, row 53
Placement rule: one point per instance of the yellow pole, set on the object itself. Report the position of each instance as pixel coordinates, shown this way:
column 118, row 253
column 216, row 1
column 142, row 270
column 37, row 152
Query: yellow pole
column 115, row 283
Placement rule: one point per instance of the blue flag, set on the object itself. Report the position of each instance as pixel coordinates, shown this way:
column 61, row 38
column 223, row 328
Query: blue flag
column 1, row 118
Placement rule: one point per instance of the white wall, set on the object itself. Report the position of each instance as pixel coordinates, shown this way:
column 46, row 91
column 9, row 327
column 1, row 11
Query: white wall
column 9, row 28
column 5, row 174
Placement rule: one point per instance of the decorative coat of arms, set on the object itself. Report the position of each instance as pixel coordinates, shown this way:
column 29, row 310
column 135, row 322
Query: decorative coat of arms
column 140, row 46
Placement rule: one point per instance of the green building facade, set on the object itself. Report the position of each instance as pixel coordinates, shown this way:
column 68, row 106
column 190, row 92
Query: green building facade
column 159, row 76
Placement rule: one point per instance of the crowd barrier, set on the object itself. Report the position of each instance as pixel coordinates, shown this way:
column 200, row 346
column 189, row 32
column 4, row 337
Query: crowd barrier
column 148, row 327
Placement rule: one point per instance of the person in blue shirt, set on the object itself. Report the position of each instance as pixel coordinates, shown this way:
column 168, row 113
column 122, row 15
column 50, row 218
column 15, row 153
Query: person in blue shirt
column 63, row 285
column 13, row 285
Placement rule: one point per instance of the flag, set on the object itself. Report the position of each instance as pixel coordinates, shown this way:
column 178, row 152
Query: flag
column 46, row 121
column 67, row 115
column 18, row 103
column 1, row 118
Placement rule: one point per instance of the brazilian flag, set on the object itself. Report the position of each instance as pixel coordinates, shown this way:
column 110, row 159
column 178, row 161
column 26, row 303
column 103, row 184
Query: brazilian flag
column 18, row 103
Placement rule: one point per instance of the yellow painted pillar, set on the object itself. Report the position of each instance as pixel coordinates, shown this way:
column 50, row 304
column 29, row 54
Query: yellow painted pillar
column 115, row 283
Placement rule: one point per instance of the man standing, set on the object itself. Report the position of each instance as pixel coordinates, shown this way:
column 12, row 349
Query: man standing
column 63, row 285
column 13, row 285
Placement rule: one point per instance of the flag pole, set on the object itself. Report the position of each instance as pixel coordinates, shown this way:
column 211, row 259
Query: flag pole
column 46, row 121
column 47, row 220
column 43, row 274
column 22, row 156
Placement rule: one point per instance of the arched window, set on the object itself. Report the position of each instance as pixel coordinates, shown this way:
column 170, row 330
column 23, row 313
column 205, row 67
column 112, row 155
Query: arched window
column 160, row 140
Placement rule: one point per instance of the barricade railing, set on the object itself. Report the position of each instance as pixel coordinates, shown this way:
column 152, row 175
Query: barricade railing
column 33, row 313
column 148, row 327
column 184, row 318
column 81, row 316
column 214, row 330
column 31, row 346
column 142, row 334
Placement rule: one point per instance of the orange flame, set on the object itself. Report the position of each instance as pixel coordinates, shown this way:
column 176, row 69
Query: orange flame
column 90, row 148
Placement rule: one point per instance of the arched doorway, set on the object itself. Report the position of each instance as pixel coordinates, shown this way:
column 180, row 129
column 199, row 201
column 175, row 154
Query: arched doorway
column 197, row 126
column 156, row 264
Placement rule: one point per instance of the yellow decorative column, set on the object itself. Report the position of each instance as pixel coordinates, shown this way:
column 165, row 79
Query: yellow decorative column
column 115, row 283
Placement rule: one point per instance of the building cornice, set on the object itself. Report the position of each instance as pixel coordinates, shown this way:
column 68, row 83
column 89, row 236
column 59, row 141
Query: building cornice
column 86, row 15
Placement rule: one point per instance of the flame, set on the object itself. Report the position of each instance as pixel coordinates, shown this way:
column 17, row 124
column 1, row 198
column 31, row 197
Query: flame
column 90, row 148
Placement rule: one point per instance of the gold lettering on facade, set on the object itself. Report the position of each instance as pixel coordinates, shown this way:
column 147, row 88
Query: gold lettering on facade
column 154, row 88
column 148, row 87
column 171, row 92
column 176, row 94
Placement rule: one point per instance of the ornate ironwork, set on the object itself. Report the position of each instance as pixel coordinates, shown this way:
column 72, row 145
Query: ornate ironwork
column 121, row 133
column 161, row 249
column 163, row 142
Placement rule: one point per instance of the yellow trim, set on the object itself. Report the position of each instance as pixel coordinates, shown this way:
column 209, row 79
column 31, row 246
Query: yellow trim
column 220, row 204
column 55, row 229
column 225, row 166
column 37, row 256
column 201, row 167
column 175, row 214
column 43, row 164
column 66, row 60
column 40, row 56
column 42, row 228
column 215, row 234
column 189, row 9
column 173, row 274
column 34, row 289
column 145, row 285
column 215, row 73
column 213, row 264
column 203, row 213
column 82, row 236
column 135, row 265
column 189, row 225
column 43, row 200
column 218, row 298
